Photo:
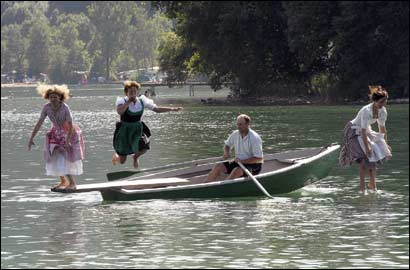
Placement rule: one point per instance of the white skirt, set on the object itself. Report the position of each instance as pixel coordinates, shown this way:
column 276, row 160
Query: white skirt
column 59, row 165
column 380, row 150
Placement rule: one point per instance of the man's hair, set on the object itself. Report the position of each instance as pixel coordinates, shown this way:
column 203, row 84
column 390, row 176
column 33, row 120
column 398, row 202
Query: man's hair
column 244, row 116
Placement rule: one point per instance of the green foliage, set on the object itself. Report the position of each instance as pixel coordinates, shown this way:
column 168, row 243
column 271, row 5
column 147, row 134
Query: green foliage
column 64, row 37
column 242, row 42
column 332, row 49
column 310, row 34
column 110, row 19
column 58, row 59
column 16, row 12
column 38, row 51
column 173, row 56
column 323, row 84
column 14, row 45
column 325, row 48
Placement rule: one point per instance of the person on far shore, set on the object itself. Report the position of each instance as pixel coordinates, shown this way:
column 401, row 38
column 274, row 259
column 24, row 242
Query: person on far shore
column 362, row 144
column 64, row 146
column 129, row 130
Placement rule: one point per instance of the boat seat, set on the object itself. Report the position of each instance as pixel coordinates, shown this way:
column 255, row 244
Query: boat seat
column 287, row 161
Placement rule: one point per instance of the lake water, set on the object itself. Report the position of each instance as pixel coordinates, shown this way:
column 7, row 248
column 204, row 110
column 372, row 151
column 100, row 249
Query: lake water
column 326, row 225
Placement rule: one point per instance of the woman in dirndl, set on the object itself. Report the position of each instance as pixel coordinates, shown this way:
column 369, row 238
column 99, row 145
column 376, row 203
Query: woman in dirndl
column 130, row 130
column 364, row 145
column 63, row 145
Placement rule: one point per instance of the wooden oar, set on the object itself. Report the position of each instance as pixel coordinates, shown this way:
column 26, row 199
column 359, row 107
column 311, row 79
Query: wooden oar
column 254, row 180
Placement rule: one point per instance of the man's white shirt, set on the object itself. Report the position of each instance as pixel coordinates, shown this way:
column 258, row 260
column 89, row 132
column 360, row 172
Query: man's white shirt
column 246, row 147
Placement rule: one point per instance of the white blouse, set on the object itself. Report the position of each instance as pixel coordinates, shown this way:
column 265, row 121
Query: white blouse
column 364, row 118
column 136, row 107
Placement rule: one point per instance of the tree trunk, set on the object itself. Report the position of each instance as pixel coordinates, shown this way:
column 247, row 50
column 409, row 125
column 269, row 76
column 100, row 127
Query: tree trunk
column 107, row 71
column 145, row 63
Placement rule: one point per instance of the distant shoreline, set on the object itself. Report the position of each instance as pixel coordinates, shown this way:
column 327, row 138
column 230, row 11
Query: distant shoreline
column 251, row 101
column 265, row 101
column 17, row 85
column 314, row 101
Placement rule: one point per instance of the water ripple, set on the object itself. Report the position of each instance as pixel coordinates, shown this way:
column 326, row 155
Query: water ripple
column 326, row 225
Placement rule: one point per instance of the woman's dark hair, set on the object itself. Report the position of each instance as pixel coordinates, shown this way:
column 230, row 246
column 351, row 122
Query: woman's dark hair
column 377, row 92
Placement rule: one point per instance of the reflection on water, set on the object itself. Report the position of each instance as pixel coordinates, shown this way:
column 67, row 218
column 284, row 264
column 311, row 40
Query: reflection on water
column 326, row 225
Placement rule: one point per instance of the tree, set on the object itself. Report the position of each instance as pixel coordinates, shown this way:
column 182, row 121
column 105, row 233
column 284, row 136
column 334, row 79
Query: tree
column 242, row 42
column 13, row 49
column 38, row 52
column 371, row 45
column 290, row 48
column 142, row 40
column 111, row 20
column 16, row 12
column 310, row 36
column 173, row 55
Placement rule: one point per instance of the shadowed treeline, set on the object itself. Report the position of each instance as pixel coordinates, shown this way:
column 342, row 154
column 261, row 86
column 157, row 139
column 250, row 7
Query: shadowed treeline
column 331, row 49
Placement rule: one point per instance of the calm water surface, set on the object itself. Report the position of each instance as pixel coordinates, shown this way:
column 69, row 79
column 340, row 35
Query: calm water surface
column 327, row 225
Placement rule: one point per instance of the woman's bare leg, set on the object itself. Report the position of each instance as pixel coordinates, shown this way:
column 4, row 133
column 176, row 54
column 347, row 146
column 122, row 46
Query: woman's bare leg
column 136, row 156
column 72, row 184
column 362, row 174
column 372, row 182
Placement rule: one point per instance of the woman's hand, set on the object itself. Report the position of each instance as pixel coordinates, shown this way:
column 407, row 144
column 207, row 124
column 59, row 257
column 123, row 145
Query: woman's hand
column 388, row 146
column 67, row 144
column 369, row 151
column 30, row 143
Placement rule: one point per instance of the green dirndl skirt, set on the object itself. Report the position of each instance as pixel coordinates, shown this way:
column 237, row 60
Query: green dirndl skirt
column 126, row 139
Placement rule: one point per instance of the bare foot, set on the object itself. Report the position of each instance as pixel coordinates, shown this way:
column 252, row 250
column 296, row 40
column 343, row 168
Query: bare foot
column 136, row 163
column 59, row 186
column 70, row 188
column 64, row 182
column 371, row 186
column 115, row 159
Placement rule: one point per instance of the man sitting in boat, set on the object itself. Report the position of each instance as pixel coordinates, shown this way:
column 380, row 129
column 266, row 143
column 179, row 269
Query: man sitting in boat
column 248, row 150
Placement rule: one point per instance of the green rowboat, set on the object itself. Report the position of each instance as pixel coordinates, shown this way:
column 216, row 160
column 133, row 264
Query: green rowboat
column 281, row 173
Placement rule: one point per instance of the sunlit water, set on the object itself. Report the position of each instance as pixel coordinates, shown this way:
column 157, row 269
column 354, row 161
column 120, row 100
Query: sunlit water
column 327, row 225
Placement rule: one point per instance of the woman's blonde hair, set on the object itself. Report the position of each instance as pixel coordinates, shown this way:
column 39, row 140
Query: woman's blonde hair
column 46, row 90
column 377, row 92
column 129, row 84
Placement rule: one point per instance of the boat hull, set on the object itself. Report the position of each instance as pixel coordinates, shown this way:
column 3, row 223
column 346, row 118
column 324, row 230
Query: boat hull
column 281, row 182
